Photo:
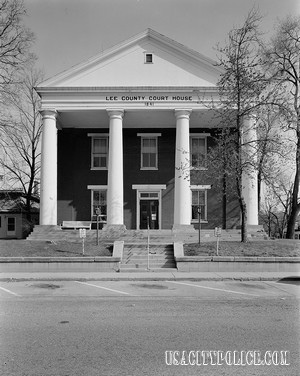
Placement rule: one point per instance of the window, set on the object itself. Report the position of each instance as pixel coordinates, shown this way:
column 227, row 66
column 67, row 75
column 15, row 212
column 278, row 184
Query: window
column 11, row 224
column 199, row 200
column 99, row 205
column 100, row 153
column 148, row 58
column 149, row 154
column 150, row 195
column 198, row 151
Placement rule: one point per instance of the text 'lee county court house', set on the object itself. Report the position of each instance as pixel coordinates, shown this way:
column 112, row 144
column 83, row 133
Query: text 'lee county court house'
column 118, row 128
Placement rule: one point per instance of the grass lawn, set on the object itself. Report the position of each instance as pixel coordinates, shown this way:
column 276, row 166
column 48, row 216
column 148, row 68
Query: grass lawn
column 27, row 248
column 269, row 248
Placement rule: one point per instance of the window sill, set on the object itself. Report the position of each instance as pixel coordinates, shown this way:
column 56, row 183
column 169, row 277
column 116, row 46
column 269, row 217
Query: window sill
column 148, row 168
column 99, row 168
column 196, row 221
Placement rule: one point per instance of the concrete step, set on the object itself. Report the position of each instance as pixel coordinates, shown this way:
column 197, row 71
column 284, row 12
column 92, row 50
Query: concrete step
column 145, row 269
column 134, row 252
column 136, row 256
column 144, row 265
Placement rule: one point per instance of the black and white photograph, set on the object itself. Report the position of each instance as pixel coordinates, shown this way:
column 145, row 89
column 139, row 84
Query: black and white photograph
column 149, row 187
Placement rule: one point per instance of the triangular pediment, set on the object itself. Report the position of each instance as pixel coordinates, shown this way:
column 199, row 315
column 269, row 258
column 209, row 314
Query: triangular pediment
column 125, row 66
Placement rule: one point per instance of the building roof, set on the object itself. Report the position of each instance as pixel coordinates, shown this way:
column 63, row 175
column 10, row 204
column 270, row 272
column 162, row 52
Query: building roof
column 122, row 65
column 12, row 201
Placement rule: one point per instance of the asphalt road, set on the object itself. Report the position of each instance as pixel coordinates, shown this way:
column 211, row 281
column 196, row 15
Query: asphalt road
column 138, row 328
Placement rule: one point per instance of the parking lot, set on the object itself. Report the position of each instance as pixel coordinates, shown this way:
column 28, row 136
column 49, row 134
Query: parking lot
column 154, row 289
column 77, row 327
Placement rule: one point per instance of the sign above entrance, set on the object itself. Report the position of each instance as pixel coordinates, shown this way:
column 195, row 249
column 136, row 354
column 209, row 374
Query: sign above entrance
column 155, row 98
column 146, row 99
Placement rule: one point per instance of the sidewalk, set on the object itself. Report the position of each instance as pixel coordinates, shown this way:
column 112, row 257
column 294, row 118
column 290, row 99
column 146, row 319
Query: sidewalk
column 149, row 276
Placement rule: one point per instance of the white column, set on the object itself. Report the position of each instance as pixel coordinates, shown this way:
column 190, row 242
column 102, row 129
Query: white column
column 48, row 199
column 182, row 199
column 249, row 175
column 115, row 169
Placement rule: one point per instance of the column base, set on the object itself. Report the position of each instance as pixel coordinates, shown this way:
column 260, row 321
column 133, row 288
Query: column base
column 256, row 231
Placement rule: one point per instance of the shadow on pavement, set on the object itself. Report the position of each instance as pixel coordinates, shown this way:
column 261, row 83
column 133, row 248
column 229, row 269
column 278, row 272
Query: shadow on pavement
column 290, row 280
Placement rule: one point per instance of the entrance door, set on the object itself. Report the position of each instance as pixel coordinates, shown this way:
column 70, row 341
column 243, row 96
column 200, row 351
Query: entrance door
column 149, row 214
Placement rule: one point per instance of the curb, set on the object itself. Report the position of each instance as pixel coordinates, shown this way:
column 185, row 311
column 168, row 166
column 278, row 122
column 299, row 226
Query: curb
column 154, row 277
column 195, row 279
column 237, row 259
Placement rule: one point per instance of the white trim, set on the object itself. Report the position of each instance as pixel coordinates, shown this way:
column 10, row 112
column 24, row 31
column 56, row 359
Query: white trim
column 149, row 187
column 145, row 57
column 95, row 136
column 200, row 187
column 147, row 35
column 143, row 188
column 11, row 233
column 148, row 134
column 98, row 134
column 95, row 187
column 199, row 135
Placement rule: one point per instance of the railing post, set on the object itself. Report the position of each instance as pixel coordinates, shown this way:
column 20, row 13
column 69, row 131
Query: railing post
column 148, row 245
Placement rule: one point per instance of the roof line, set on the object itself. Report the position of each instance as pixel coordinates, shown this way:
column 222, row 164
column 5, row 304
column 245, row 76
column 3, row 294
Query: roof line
column 127, row 43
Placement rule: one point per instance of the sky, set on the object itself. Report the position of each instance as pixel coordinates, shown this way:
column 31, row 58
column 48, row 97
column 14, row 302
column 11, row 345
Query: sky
column 69, row 32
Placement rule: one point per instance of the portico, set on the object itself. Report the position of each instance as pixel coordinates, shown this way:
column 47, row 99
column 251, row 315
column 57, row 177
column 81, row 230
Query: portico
column 105, row 133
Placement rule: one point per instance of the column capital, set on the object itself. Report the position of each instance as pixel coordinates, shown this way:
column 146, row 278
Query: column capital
column 49, row 113
column 115, row 113
column 182, row 113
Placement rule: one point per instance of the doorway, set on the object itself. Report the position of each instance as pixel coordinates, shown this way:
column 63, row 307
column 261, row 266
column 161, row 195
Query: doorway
column 11, row 226
column 149, row 214
column 149, row 205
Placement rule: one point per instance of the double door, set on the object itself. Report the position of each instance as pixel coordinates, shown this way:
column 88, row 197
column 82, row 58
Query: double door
column 149, row 214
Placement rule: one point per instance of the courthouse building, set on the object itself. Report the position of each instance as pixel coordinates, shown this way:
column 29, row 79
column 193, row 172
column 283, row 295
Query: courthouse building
column 121, row 133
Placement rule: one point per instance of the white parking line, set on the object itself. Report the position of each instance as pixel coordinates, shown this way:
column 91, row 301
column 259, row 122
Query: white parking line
column 8, row 291
column 212, row 288
column 104, row 288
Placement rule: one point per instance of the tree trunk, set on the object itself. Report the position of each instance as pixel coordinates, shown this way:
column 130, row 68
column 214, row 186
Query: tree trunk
column 259, row 178
column 290, row 234
column 224, row 202
column 244, row 234
column 243, row 208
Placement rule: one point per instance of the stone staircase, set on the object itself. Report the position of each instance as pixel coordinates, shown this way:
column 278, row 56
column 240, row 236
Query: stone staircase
column 135, row 257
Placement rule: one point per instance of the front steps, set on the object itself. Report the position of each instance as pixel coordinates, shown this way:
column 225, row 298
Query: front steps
column 136, row 258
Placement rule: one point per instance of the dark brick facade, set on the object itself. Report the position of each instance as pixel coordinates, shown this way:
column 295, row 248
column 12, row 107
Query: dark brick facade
column 75, row 174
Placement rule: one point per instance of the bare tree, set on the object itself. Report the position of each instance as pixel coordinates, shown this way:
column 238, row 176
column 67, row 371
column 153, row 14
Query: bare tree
column 274, row 146
column 20, row 121
column 277, row 205
column 242, row 89
column 282, row 58
column 16, row 41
